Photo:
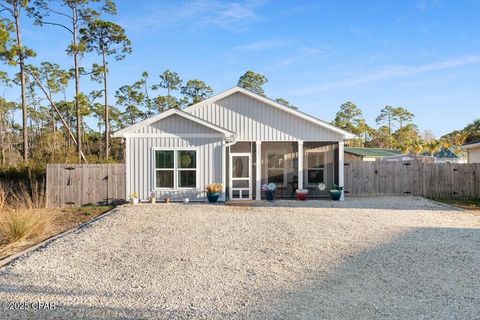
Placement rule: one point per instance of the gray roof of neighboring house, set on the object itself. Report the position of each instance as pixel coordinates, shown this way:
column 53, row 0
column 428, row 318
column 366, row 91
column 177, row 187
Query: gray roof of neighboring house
column 372, row 152
column 471, row 144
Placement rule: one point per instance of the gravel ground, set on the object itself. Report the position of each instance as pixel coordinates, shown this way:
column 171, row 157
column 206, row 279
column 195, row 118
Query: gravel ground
column 365, row 258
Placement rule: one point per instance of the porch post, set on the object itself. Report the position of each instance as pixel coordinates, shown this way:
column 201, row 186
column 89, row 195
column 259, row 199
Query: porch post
column 258, row 171
column 224, row 171
column 300, row 165
column 341, row 167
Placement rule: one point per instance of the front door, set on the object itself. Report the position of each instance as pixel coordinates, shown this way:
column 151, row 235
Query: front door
column 240, row 176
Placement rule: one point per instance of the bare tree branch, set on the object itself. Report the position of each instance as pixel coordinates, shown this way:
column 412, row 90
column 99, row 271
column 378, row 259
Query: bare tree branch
column 57, row 24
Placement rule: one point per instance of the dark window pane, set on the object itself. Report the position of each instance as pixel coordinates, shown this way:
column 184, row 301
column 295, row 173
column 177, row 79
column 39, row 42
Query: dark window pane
column 316, row 160
column 240, row 184
column 240, row 167
column 187, row 179
column 315, row 176
column 163, row 159
column 187, row 159
column 164, row 179
column 276, row 176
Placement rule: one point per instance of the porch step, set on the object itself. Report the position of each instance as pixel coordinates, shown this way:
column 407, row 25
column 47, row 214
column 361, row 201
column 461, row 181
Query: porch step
column 240, row 203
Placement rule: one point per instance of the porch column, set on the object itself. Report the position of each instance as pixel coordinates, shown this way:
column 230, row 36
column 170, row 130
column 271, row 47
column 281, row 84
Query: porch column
column 224, row 171
column 341, row 167
column 300, row 165
column 258, row 171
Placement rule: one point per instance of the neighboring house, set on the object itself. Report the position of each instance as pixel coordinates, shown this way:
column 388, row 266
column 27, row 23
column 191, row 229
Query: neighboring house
column 473, row 151
column 237, row 138
column 368, row 154
column 409, row 157
column 447, row 155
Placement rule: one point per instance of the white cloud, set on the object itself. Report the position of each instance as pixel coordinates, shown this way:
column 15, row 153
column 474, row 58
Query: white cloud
column 390, row 72
column 235, row 15
column 427, row 4
column 263, row 45
column 303, row 54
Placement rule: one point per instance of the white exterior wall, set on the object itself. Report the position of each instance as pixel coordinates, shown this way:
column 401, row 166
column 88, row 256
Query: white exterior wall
column 173, row 132
column 254, row 120
column 473, row 155
column 140, row 164
column 174, row 124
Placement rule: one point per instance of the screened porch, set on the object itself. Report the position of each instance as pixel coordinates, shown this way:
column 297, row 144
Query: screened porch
column 282, row 163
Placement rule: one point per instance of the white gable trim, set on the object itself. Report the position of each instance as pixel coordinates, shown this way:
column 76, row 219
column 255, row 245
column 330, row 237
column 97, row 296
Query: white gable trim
column 224, row 94
column 470, row 146
column 125, row 132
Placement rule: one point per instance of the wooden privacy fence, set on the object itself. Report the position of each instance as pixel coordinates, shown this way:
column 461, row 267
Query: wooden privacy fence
column 74, row 185
column 431, row 180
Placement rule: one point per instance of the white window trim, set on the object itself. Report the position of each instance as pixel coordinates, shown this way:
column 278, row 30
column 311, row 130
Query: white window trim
column 175, row 169
column 307, row 167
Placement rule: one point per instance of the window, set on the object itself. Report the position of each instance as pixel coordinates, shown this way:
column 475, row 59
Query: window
column 164, row 169
column 315, row 168
column 187, row 168
column 276, row 168
column 175, row 169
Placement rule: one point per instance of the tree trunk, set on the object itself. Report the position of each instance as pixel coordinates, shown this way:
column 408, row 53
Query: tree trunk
column 389, row 132
column 105, row 93
column 21, row 63
column 77, row 85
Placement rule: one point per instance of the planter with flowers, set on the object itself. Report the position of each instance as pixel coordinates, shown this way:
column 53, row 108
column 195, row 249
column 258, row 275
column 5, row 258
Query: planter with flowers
column 336, row 192
column 269, row 190
column 152, row 197
column 301, row 194
column 134, row 198
column 213, row 191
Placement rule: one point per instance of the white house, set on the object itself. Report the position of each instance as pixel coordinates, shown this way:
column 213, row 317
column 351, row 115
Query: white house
column 473, row 151
column 237, row 138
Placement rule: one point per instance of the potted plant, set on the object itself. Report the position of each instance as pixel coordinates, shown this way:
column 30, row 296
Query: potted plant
column 336, row 192
column 301, row 194
column 134, row 198
column 153, row 197
column 213, row 192
column 269, row 190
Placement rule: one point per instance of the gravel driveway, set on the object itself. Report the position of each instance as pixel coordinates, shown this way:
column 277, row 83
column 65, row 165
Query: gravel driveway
column 368, row 258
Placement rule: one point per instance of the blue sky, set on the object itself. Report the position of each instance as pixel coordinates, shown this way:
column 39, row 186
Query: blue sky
column 420, row 54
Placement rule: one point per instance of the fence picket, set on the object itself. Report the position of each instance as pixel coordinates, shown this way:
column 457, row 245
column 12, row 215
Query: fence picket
column 432, row 180
column 71, row 185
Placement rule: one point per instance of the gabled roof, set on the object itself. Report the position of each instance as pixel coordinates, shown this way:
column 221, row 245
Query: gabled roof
column 373, row 152
column 446, row 153
column 224, row 94
column 123, row 132
column 471, row 144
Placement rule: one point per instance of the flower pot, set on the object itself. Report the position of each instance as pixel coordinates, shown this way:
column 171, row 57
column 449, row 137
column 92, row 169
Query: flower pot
column 335, row 194
column 213, row 196
column 153, row 200
column 135, row 201
column 269, row 195
column 302, row 194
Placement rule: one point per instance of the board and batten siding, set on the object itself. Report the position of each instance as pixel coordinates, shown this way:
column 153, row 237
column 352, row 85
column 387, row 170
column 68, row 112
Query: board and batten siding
column 174, row 124
column 140, row 164
column 254, row 120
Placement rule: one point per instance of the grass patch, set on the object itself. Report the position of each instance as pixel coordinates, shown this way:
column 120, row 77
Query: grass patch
column 468, row 204
column 18, row 225
column 24, row 220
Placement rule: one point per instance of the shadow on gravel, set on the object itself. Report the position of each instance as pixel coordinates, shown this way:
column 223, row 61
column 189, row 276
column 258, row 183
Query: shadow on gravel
column 428, row 273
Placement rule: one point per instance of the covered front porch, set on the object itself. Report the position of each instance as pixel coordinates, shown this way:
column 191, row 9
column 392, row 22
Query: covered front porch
column 291, row 165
